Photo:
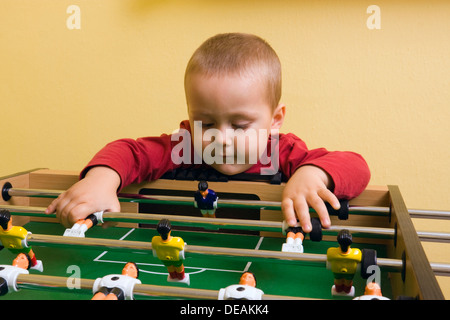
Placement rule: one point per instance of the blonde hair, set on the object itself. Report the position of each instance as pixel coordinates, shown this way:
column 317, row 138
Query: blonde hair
column 242, row 54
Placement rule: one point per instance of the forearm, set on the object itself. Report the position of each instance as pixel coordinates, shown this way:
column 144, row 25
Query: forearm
column 106, row 176
column 135, row 160
column 348, row 173
column 319, row 172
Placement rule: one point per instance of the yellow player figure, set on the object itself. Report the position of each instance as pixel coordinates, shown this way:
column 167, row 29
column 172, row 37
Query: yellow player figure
column 14, row 238
column 343, row 262
column 170, row 250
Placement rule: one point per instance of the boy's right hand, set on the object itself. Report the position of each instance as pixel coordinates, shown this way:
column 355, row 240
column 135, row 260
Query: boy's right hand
column 97, row 191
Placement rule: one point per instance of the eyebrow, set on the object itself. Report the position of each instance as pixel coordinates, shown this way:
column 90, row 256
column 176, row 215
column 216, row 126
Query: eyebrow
column 246, row 115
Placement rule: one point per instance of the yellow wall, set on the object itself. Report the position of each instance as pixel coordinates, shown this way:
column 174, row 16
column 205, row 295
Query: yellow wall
column 383, row 93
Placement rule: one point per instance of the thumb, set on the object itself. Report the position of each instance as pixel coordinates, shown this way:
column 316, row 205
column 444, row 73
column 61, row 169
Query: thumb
column 114, row 208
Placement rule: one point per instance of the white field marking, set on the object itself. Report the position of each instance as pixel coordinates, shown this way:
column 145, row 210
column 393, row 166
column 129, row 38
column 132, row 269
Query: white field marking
column 104, row 252
column 247, row 267
column 199, row 270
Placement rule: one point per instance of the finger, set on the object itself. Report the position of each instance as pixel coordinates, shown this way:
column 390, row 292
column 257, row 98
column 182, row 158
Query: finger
column 64, row 213
column 115, row 207
column 329, row 197
column 319, row 206
column 59, row 204
column 287, row 207
column 302, row 211
column 79, row 212
column 51, row 207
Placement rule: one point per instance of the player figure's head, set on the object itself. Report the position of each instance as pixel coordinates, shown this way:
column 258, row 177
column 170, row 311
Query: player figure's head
column 232, row 82
column 248, row 278
column 5, row 219
column 22, row 261
column 372, row 289
column 203, row 188
column 131, row 269
column 164, row 228
column 344, row 239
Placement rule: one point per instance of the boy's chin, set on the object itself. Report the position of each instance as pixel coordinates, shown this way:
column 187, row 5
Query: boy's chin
column 231, row 169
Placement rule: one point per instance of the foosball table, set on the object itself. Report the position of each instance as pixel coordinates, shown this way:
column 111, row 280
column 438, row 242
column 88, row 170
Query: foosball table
column 247, row 234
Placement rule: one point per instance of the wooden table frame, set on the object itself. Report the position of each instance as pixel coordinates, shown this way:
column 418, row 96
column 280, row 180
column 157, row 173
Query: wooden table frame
column 417, row 279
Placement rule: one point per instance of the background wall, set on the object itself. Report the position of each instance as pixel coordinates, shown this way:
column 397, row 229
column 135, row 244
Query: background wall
column 65, row 93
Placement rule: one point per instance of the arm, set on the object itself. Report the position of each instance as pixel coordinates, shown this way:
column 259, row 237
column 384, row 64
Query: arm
column 117, row 165
column 137, row 160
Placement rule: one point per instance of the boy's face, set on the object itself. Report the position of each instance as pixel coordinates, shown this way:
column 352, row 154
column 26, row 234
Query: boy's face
column 236, row 119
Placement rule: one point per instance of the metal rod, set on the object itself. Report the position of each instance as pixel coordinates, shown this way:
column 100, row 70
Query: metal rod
column 40, row 282
column 272, row 205
column 416, row 213
column 246, row 254
column 223, row 223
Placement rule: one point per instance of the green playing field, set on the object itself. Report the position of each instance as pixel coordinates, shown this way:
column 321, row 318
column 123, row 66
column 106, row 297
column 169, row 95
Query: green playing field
column 274, row 277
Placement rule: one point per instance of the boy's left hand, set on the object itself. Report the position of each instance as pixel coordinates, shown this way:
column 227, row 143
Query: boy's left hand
column 308, row 187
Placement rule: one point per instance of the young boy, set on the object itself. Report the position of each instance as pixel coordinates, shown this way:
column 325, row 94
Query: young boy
column 232, row 84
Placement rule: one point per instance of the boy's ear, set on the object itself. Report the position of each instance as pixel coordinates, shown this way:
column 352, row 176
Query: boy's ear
column 278, row 116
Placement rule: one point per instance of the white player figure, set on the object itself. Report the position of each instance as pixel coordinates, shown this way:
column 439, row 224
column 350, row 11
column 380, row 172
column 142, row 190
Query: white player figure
column 245, row 290
column 9, row 273
column 117, row 286
column 372, row 292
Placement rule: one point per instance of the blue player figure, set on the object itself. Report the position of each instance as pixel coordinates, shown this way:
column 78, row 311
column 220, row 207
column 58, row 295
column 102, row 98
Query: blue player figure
column 206, row 200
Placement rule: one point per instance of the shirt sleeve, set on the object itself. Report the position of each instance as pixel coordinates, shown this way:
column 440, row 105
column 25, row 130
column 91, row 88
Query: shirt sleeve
column 137, row 160
column 349, row 170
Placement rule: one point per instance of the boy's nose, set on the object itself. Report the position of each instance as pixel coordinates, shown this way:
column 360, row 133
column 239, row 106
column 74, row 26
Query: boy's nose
column 225, row 137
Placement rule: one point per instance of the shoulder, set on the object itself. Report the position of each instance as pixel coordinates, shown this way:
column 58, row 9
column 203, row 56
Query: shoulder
column 185, row 125
column 290, row 139
column 333, row 252
column 212, row 193
column 356, row 253
column 18, row 231
column 176, row 240
column 156, row 240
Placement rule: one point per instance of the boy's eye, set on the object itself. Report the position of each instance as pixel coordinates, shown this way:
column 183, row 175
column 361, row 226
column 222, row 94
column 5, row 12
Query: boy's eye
column 240, row 126
column 207, row 125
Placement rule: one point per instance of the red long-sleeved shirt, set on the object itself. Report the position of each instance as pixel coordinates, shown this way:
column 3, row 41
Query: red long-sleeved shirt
column 148, row 158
